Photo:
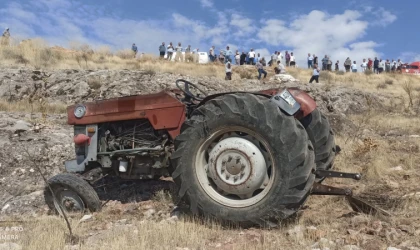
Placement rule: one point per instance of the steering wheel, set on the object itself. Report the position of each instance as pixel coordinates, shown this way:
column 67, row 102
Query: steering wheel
column 187, row 92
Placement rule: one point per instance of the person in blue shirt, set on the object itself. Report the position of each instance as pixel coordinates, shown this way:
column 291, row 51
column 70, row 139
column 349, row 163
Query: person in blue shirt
column 228, row 55
column 162, row 50
column 134, row 49
column 315, row 74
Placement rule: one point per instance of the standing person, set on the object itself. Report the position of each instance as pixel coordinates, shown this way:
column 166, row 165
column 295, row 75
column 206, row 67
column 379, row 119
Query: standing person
column 337, row 66
column 325, row 63
column 212, row 54
column 261, row 70
column 178, row 53
column 170, row 51
column 196, row 56
column 310, row 59
column 273, row 59
column 364, row 65
column 287, row 59
column 381, row 66
column 329, row 64
column 279, row 57
column 315, row 74
column 387, row 66
column 347, row 64
column 188, row 56
column 243, row 58
column 237, row 58
column 258, row 58
column 228, row 67
column 292, row 60
column 134, row 49
column 162, row 50
column 251, row 56
column 370, row 64
column 315, row 61
column 228, row 54
column 376, row 66
column 5, row 37
column 354, row 67
column 399, row 65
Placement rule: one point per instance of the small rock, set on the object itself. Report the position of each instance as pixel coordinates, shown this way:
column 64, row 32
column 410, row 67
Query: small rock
column 414, row 136
column 392, row 248
column 351, row 247
column 86, row 217
column 5, row 207
column 31, row 170
column 397, row 168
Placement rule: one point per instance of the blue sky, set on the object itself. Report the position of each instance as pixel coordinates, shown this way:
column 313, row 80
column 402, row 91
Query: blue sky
column 356, row 28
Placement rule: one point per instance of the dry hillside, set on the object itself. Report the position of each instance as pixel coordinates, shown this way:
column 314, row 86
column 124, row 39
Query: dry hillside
column 375, row 118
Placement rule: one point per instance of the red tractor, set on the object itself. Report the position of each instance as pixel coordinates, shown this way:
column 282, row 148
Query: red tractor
column 240, row 157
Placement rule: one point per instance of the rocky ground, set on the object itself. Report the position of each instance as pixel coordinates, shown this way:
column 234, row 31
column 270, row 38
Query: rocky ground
column 29, row 141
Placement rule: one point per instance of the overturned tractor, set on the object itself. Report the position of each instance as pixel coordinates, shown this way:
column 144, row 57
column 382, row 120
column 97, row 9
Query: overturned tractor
column 245, row 158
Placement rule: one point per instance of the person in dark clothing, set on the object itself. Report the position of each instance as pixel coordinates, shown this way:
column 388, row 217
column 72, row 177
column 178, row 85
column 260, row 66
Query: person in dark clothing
column 134, row 49
column 376, row 65
column 315, row 59
column 162, row 50
column 337, row 67
column 324, row 63
column 242, row 59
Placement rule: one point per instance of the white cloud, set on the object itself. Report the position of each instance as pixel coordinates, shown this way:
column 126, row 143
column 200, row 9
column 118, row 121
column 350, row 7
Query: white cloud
column 244, row 26
column 206, row 3
column 409, row 57
column 381, row 17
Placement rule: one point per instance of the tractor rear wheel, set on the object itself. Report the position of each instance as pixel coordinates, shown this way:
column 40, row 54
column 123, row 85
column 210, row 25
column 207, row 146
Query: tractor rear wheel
column 322, row 137
column 72, row 194
column 239, row 159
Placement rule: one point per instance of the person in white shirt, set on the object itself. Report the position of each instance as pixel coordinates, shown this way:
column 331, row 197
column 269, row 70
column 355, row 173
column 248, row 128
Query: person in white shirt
column 354, row 67
column 292, row 60
column 279, row 57
column 315, row 74
column 228, row 69
column 310, row 59
column 363, row 65
column 178, row 55
column 251, row 56
column 237, row 58
column 170, row 51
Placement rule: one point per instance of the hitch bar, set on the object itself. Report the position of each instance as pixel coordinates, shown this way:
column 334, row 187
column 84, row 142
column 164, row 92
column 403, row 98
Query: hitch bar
column 320, row 189
column 335, row 174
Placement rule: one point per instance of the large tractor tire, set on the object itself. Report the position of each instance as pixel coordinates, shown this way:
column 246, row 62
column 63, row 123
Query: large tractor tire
column 322, row 137
column 239, row 159
column 72, row 193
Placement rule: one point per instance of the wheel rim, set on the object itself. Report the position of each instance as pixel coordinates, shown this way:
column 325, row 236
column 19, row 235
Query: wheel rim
column 234, row 166
column 69, row 201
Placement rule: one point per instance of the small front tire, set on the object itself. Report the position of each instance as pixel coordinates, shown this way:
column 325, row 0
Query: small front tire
column 72, row 193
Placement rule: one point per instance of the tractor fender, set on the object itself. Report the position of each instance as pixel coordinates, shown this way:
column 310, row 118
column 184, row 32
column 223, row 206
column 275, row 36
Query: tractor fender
column 307, row 103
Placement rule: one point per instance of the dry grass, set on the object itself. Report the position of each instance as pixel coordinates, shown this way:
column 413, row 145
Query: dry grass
column 37, row 106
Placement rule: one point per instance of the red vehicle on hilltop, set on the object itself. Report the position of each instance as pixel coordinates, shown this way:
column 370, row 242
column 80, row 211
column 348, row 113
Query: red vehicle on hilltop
column 412, row 68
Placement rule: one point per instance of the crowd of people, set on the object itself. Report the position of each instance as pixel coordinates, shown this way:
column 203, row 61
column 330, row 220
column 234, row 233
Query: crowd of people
column 376, row 65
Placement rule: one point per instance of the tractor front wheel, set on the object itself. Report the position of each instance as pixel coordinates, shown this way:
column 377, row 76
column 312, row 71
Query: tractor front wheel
column 72, row 194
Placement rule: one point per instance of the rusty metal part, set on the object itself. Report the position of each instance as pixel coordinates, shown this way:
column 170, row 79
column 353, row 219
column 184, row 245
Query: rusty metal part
column 335, row 174
column 321, row 189
column 162, row 110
